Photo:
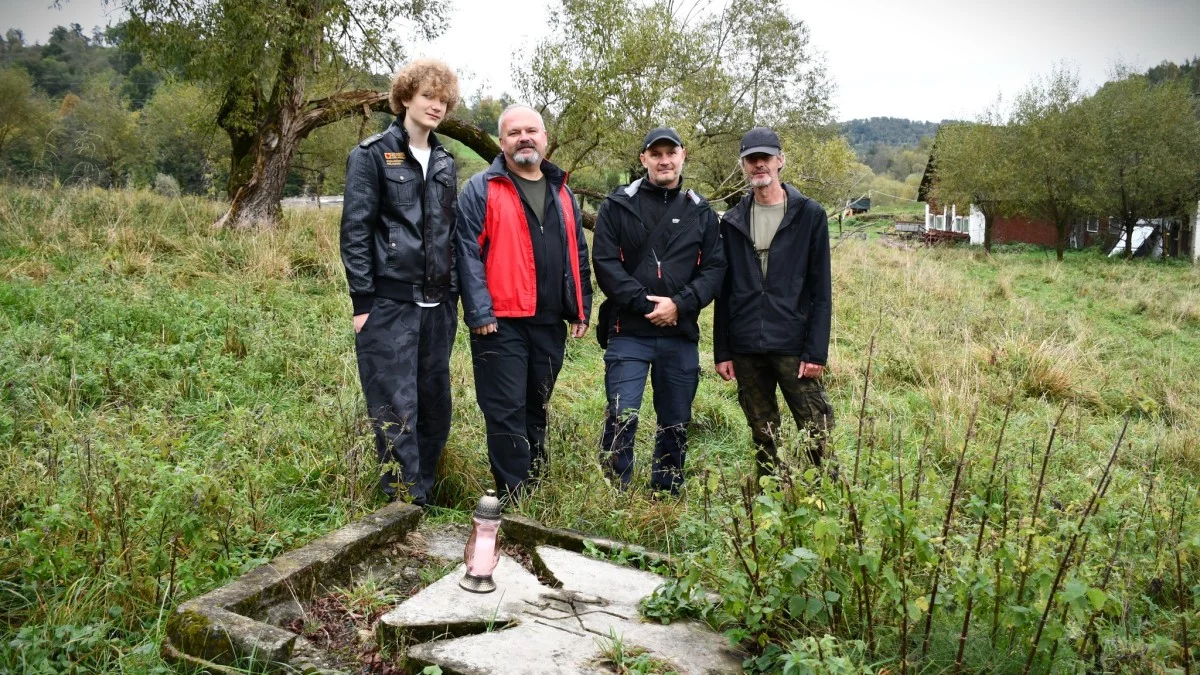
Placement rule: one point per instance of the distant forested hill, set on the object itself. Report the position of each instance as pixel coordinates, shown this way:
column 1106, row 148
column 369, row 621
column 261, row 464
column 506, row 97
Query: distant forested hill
column 1188, row 70
column 893, row 131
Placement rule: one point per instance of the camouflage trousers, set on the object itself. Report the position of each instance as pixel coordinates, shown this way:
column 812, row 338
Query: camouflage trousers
column 758, row 375
column 404, row 365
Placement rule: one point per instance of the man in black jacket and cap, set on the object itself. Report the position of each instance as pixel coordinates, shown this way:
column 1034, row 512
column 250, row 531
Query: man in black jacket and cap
column 397, row 242
column 657, row 256
column 773, row 315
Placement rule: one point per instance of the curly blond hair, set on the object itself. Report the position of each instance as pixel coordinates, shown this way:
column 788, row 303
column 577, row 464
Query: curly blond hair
column 412, row 77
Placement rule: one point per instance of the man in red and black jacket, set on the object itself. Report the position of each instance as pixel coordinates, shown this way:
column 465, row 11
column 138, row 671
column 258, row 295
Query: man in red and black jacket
column 523, row 275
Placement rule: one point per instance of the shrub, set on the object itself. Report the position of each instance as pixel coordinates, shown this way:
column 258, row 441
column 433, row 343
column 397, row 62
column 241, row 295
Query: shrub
column 166, row 186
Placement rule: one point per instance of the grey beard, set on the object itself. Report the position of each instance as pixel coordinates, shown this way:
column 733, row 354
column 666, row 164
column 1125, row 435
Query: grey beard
column 525, row 160
column 761, row 182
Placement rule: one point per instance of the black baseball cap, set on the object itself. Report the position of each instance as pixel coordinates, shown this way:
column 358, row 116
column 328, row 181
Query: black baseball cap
column 761, row 139
column 660, row 134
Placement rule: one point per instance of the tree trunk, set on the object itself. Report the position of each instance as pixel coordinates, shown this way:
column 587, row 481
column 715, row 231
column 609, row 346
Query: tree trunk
column 256, row 203
column 989, row 217
column 1129, row 227
column 260, row 162
column 1061, row 245
column 243, row 101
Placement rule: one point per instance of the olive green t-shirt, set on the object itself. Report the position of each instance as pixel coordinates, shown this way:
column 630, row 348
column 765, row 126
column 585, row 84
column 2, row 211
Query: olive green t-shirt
column 534, row 192
column 764, row 223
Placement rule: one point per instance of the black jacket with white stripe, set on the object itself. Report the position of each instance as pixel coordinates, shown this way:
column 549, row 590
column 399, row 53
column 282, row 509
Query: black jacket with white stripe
column 685, row 261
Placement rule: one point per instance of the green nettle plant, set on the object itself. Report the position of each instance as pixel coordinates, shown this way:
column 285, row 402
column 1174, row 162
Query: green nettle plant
column 994, row 570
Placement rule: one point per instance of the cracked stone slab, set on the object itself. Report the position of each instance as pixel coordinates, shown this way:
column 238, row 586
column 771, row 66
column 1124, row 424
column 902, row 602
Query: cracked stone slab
column 227, row 626
column 531, row 534
column 525, row 626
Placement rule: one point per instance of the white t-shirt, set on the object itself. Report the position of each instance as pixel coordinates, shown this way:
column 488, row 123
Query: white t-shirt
column 422, row 157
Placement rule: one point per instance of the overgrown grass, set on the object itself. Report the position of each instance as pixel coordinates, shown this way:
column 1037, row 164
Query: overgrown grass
column 179, row 405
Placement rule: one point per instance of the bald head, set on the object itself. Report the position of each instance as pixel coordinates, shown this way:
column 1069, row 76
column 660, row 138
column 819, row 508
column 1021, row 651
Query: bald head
column 515, row 108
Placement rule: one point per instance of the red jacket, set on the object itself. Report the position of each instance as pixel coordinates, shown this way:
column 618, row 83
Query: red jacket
column 496, row 270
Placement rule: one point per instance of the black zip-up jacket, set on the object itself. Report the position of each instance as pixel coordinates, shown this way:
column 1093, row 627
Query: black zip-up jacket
column 688, row 253
column 789, row 312
column 397, row 225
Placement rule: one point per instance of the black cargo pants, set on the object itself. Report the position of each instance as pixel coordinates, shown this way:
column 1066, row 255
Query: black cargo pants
column 515, row 371
column 758, row 375
column 404, row 365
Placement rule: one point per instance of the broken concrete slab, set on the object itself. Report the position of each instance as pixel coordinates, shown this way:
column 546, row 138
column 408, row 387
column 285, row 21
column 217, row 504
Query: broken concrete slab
column 528, row 627
column 596, row 578
column 427, row 615
column 530, row 534
column 226, row 626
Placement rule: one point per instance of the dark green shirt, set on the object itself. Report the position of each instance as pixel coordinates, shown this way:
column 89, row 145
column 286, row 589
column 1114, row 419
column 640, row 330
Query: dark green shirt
column 547, row 242
column 534, row 192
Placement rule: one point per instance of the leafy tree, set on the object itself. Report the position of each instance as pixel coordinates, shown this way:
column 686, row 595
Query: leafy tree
column 18, row 112
column 484, row 111
column 898, row 161
column 280, row 71
column 974, row 164
column 822, row 166
column 1188, row 71
column 179, row 138
column 63, row 65
column 1053, row 137
column 615, row 68
column 1146, row 149
column 104, row 132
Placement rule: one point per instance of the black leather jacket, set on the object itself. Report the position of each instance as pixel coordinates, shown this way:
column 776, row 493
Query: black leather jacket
column 397, row 226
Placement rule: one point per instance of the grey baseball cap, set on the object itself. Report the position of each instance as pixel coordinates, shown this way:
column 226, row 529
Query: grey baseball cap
column 761, row 140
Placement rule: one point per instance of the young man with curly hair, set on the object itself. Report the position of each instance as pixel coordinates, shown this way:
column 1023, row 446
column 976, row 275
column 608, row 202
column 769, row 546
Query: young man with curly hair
column 397, row 243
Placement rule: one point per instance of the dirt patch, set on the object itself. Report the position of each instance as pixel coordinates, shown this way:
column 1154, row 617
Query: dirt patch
column 340, row 623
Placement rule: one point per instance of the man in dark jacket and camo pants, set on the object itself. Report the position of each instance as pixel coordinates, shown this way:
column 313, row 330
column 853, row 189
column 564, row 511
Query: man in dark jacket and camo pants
column 658, row 258
column 397, row 241
column 773, row 315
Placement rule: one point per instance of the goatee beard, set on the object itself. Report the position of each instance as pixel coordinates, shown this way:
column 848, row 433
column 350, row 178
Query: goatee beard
column 527, row 160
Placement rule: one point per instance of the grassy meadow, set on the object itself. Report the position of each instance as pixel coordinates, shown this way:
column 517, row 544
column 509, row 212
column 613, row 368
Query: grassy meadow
column 178, row 406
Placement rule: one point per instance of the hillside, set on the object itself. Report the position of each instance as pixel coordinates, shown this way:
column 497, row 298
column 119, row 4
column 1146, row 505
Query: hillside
column 892, row 131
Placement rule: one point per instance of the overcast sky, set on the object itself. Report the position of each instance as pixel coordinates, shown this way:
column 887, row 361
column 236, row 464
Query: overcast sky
column 924, row 60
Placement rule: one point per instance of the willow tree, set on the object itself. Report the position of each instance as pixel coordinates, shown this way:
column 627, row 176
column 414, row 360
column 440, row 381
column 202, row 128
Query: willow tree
column 281, row 69
column 613, row 69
